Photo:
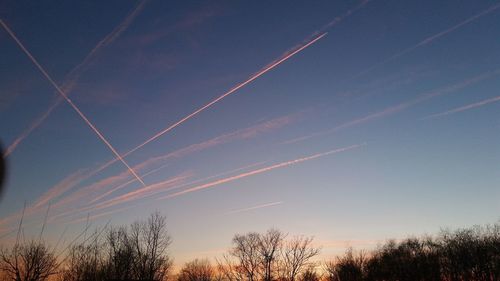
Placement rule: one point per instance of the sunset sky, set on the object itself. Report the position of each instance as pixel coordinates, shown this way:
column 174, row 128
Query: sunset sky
column 352, row 121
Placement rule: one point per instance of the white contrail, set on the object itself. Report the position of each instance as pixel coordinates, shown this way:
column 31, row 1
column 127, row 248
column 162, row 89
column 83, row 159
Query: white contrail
column 401, row 106
column 170, row 184
column 430, row 39
column 269, row 67
column 234, row 89
column 258, row 171
column 75, row 73
column 255, row 207
column 464, row 108
column 60, row 91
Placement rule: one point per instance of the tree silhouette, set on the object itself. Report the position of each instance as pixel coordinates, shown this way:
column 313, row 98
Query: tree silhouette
column 28, row 261
column 196, row 270
column 295, row 257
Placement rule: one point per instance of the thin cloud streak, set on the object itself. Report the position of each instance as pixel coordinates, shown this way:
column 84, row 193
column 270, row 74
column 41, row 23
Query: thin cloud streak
column 269, row 67
column 130, row 196
column 464, row 108
column 60, row 91
column 56, row 191
column 93, row 217
column 74, row 75
column 92, row 206
column 234, row 89
column 125, row 184
column 144, row 191
column 59, row 189
column 254, row 207
column 122, row 180
column 241, row 134
column 258, row 171
column 400, row 107
column 430, row 39
column 126, row 198
column 176, row 187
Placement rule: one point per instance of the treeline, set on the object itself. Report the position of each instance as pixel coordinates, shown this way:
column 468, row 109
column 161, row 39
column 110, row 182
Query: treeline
column 461, row 255
column 140, row 252
column 466, row 254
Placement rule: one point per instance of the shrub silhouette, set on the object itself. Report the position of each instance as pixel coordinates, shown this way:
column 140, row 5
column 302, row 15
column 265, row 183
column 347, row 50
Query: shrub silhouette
column 197, row 270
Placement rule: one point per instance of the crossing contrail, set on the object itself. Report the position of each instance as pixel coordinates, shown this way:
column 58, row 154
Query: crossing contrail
column 231, row 91
column 258, row 171
column 172, row 184
column 269, row 67
column 430, row 39
column 73, row 76
column 93, row 206
column 69, row 101
column 91, row 192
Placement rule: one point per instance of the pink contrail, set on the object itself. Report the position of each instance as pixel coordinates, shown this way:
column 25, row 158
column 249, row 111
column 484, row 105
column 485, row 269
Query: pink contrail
column 465, row 107
column 93, row 217
column 149, row 190
column 254, row 207
column 75, row 73
column 431, row 38
column 258, row 171
column 59, row 90
column 142, row 192
column 240, row 134
column 93, row 206
column 402, row 106
column 59, row 189
column 269, row 67
column 170, row 184
column 87, row 193
column 239, row 86
column 125, row 184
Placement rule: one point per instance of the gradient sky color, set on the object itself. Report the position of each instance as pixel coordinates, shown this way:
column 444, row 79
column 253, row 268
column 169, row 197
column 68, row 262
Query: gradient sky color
column 353, row 121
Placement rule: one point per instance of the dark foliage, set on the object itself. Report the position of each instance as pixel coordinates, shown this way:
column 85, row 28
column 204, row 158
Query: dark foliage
column 466, row 254
column 139, row 252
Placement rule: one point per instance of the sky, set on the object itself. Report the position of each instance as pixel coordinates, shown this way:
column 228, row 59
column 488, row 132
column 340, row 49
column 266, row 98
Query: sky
column 350, row 121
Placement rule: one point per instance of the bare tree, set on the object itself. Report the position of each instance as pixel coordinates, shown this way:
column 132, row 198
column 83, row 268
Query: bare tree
column 350, row 267
column 120, row 254
column 84, row 263
column 246, row 251
column 29, row 261
column 296, row 255
column 253, row 256
column 197, row 270
column 150, row 241
column 270, row 245
column 229, row 270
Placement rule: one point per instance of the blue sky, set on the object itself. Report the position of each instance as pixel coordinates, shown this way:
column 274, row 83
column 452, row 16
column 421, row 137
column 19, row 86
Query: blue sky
column 408, row 90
